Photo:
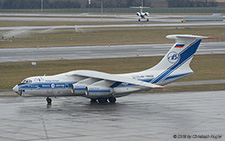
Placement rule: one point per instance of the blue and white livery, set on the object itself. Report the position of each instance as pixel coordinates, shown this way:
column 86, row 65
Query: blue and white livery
column 104, row 87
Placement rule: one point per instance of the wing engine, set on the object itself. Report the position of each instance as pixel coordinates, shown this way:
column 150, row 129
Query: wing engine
column 146, row 14
column 97, row 84
column 78, row 89
column 138, row 14
column 95, row 91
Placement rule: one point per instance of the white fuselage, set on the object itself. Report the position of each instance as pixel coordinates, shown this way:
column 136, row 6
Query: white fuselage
column 61, row 85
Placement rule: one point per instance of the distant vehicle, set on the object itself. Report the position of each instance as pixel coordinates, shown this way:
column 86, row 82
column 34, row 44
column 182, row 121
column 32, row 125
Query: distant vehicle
column 141, row 14
column 104, row 87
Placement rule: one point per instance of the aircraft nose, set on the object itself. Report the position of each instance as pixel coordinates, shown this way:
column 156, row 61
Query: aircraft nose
column 15, row 89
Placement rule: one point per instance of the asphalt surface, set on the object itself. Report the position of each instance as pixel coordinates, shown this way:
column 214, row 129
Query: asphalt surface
column 155, row 21
column 166, row 116
column 117, row 25
column 157, row 116
column 85, row 17
column 206, row 82
column 89, row 52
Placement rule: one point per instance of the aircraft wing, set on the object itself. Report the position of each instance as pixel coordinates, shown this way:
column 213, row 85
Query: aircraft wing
column 114, row 78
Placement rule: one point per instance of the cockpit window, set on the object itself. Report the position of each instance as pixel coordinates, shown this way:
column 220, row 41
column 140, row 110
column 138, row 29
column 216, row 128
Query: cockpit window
column 26, row 81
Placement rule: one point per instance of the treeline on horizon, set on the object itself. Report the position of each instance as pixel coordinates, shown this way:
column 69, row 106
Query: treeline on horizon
column 192, row 3
column 36, row 4
column 57, row 4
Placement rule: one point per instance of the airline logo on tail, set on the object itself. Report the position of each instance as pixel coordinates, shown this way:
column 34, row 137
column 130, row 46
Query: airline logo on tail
column 172, row 57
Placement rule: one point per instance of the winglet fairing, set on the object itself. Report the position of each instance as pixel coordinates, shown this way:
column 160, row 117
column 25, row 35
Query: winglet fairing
column 104, row 87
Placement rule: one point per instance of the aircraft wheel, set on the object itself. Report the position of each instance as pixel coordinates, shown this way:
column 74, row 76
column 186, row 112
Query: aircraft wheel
column 102, row 100
column 147, row 20
column 49, row 100
column 139, row 20
column 112, row 99
column 93, row 100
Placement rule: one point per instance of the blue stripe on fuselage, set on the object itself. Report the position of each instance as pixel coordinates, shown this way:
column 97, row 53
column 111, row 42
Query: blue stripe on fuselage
column 149, row 80
column 44, row 85
column 99, row 91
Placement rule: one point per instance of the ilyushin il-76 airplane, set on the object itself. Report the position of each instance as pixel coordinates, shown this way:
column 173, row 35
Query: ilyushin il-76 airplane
column 103, row 87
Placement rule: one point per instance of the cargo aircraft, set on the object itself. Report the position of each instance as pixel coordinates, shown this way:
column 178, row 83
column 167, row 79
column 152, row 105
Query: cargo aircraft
column 103, row 87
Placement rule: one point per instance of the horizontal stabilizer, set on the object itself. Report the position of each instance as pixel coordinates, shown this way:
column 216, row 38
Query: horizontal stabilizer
column 186, row 36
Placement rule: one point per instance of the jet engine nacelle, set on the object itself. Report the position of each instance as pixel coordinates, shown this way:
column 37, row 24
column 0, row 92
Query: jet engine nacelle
column 146, row 14
column 138, row 14
column 78, row 89
column 95, row 91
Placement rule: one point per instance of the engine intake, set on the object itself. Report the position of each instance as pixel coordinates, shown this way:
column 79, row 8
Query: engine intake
column 138, row 14
column 146, row 14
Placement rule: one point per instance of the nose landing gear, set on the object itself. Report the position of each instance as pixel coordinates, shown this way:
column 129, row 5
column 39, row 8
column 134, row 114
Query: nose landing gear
column 49, row 100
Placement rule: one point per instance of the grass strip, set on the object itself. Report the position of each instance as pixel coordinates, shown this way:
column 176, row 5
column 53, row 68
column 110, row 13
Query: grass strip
column 206, row 67
column 104, row 36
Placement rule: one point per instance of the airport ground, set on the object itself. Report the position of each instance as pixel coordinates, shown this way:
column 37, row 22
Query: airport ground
column 155, row 116
column 159, row 115
column 108, row 36
column 50, row 31
column 104, row 36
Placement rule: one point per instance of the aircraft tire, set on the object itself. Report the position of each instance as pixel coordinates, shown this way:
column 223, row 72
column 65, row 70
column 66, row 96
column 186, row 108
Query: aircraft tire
column 112, row 99
column 49, row 100
column 102, row 100
column 93, row 100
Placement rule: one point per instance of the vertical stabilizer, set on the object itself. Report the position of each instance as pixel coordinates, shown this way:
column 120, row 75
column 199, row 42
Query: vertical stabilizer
column 175, row 64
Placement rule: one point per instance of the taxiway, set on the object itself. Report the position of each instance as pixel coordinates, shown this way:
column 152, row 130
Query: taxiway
column 115, row 26
column 155, row 21
column 85, row 17
column 157, row 116
column 89, row 52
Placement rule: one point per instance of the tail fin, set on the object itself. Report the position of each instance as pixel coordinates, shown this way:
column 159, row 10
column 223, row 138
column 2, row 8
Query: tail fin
column 175, row 64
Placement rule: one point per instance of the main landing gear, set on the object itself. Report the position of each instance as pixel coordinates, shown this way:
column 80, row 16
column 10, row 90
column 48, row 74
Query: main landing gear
column 146, row 20
column 93, row 100
column 49, row 100
column 103, row 100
